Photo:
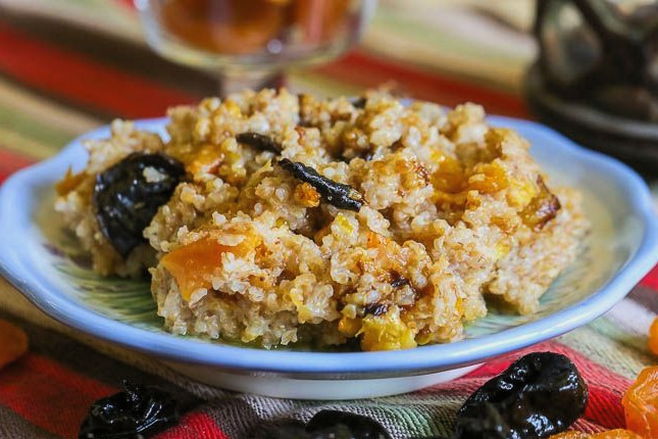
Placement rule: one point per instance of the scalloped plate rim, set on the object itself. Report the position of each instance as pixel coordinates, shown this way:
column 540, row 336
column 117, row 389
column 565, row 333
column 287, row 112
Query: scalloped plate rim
column 23, row 186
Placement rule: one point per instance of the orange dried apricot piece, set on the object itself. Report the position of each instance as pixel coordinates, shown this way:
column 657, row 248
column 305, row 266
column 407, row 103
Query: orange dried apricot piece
column 617, row 434
column 653, row 337
column 13, row 343
column 193, row 264
column 641, row 403
column 69, row 182
column 306, row 195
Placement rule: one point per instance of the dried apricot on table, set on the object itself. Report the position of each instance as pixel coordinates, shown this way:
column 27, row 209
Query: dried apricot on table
column 653, row 337
column 641, row 403
column 13, row 343
column 617, row 434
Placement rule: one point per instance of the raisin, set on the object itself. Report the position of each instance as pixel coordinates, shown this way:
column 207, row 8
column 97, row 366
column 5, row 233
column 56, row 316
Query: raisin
column 641, row 403
column 652, row 342
column 359, row 102
column 126, row 200
column 336, row 424
column 340, row 195
column 539, row 395
column 542, row 208
column 259, row 141
column 397, row 280
column 136, row 411
column 376, row 309
column 13, row 343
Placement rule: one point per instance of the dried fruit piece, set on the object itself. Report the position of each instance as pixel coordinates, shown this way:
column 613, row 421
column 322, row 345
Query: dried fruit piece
column 193, row 264
column 127, row 196
column 542, row 208
column 376, row 309
column 13, row 343
column 340, row 195
column 259, row 141
column 653, row 337
column 134, row 412
column 69, row 182
column 306, row 195
column 539, row 395
column 641, row 404
column 616, row 434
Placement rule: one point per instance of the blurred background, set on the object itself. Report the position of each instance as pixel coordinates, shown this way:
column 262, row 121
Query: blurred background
column 67, row 66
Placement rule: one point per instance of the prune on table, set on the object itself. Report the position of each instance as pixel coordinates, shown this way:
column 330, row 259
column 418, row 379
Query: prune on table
column 640, row 403
column 539, row 395
column 137, row 411
column 127, row 196
column 340, row 195
column 342, row 425
column 259, row 141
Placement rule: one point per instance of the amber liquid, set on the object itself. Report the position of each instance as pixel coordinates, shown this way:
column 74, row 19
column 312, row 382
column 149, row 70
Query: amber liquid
column 240, row 27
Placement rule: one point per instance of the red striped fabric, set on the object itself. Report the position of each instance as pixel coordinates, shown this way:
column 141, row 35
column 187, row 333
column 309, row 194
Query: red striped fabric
column 194, row 426
column 82, row 81
column 11, row 162
column 48, row 394
column 56, row 398
column 651, row 279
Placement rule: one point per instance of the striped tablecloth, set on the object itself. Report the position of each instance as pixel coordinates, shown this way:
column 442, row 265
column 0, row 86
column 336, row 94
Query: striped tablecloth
column 67, row 66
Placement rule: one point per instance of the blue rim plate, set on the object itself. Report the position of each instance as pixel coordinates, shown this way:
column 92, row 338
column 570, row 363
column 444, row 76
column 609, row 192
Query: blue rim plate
column 621, row 195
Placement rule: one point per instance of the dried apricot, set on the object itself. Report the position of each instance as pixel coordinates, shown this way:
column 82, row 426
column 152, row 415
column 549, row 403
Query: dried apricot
column 641, row 403
column 616, row 434
column 193, row 264
column 13, row 343
column 653, row 337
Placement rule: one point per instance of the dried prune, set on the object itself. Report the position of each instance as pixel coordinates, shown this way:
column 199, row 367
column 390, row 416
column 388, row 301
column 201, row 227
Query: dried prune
column 137, row 411
column 259, row 141
column 539, row 395
column 641, row 403
column 127, row 197
column 336, row 424
column 340, row 195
